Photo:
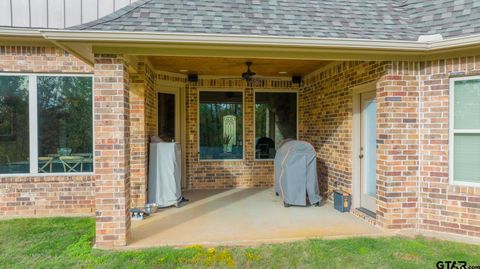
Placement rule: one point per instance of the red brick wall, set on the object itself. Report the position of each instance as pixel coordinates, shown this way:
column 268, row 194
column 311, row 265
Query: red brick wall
column 412, row 132
column 326, row 118
column 112, row 151
column 143, row 111
column 397, row 153
column 40, row 59
column 443, row 207
column 326, row 114
column 44, row 195
column 47, row 196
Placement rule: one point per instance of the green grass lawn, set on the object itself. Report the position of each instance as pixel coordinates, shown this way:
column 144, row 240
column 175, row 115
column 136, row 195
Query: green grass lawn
column 67, row 243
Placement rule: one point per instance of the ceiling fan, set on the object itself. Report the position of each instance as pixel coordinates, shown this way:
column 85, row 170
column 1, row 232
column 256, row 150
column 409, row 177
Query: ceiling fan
column 249, row 75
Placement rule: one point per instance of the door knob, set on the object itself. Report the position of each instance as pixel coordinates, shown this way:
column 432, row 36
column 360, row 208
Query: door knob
column 360, row 156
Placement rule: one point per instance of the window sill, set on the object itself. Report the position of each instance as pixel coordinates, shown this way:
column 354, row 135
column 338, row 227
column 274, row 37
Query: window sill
column 464, row 184
column 221, row 160
column 48, row 174
column 264, row 160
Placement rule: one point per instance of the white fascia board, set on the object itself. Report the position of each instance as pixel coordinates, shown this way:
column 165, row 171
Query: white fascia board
column 20, row 32
column 151, row 37
column 455, row 42
column 217, row 39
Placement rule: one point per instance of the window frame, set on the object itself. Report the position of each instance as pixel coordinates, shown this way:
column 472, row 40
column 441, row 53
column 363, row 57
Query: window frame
column 243, row 123
column 33, row 123
column 255, row 111
column 452, row 131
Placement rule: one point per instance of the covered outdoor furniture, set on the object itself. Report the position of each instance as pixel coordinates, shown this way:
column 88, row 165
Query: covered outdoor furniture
column 164, row 174
column 296, row 174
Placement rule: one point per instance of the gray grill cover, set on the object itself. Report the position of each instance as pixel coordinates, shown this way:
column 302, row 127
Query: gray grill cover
column 296, row 173
column 164, row 174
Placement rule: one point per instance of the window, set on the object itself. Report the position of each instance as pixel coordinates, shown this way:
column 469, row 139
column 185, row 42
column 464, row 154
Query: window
column 465, row 131
column 14, row 138
column 166, row 116
column 45, row 124
column 64, row 124
column 275, row 121
column 221, row 125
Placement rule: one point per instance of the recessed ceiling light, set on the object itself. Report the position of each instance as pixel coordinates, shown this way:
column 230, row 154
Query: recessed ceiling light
column 282, row 72
column 183, row 70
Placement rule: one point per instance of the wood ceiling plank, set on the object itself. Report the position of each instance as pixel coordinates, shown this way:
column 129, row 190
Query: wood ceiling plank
column 235, row 66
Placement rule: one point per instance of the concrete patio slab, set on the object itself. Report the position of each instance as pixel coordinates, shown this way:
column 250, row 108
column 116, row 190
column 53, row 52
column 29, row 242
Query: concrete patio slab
column 243, row 217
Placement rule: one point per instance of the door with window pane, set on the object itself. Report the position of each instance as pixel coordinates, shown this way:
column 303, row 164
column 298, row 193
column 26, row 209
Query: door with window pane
column 368, row 148
column 168, row 117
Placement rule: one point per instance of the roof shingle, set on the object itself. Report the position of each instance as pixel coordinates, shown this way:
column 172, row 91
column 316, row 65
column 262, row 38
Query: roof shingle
column 360, row 19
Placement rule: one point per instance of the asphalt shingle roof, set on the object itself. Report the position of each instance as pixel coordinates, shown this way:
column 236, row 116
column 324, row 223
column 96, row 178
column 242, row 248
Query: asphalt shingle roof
column 450, row 18
column 362, row 19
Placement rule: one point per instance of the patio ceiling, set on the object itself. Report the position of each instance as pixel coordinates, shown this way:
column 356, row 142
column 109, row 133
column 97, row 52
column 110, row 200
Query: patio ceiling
column 235, row 66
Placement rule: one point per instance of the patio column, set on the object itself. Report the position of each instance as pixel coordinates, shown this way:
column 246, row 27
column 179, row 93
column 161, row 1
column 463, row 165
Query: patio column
column 143, row 124
column 398, row 148
column 112, row 152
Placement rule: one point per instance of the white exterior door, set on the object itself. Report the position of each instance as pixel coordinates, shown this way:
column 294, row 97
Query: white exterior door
column 170, row 116
column 368, row 148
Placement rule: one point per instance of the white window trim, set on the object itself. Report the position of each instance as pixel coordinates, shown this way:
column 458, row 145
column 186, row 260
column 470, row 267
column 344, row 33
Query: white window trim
column 33, row 124
column 452, row 131
column 254, row 116
column 243, row 124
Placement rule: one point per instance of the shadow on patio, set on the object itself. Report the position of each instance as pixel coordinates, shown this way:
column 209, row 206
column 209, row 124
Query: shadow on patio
column 243, row 217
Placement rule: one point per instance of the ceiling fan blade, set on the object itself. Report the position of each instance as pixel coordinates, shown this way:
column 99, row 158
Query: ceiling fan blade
column 229, row 78
column 273, row 77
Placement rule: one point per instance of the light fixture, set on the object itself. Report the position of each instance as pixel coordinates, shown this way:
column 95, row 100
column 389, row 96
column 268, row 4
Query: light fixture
column 282, row 72
column 183, row 70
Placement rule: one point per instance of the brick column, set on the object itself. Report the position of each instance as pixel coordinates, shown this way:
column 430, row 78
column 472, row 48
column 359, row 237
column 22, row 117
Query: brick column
column 112, row 152
column 398, row 148
column 143, row 123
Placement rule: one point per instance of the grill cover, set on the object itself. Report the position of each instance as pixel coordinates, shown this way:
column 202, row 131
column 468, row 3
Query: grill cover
column 164, row 174
column 296, row 173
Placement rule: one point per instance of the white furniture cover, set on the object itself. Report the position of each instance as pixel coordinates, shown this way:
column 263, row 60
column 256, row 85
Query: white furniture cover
column 164, row 174
column 296, row 173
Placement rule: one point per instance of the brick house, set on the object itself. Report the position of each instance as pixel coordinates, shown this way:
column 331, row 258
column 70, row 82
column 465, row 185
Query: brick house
column 387, row 92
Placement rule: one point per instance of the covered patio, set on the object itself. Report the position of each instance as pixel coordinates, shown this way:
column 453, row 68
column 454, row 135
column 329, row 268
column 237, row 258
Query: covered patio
column 184, row 91
column 310, row 100
column 317, row 101
column 244, row 217
column 232, row 201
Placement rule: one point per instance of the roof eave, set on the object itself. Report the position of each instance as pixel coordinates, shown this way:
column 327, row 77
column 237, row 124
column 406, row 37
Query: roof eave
column 195, row 38
column 455, row 42
column 14, row 36
column 20, row 32
column 84, row 43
